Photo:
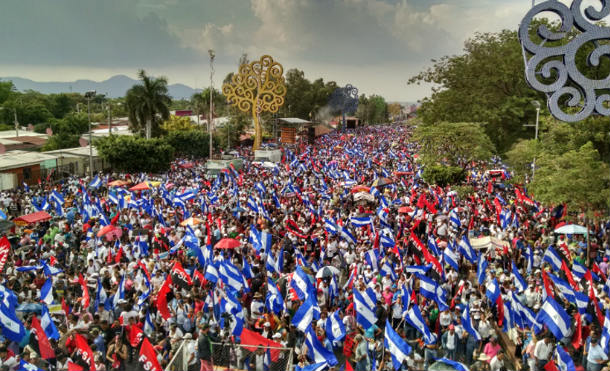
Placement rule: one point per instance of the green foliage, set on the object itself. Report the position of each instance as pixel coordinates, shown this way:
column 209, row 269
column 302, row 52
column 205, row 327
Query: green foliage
column 192, row 143
column 521, row 155
column 148, row 105
column 453, row 144
column 61, row 104
column 576, row 177
column 485, row 84
column 463, row 191
column 127, row 153
column 230, row 132
column 6, row 89
column 444, row 175
column 61, row 140
column 200, row 103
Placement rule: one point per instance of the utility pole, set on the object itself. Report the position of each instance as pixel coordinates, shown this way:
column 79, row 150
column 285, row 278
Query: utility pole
column 89, row 95
column 537, row 105
column 212, row 56
column 16, row 122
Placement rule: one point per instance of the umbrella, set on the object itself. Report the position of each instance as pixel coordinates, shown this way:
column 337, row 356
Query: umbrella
column 269, row 164
column 117, row 183
column 238, row 209
column 191, row 221
column 443, row 364
column 364, row 196
column 111, row 232
column 327, row 271
column 401, row 173
column 380, row 182
column 405, row 210
column 29, row 308
column 571, row 229
column 360, row 188
column 140, row 187
column 227, row 243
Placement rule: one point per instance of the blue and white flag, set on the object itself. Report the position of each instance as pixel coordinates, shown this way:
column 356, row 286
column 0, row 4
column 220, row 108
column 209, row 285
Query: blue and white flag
column 331, row 226
column 455, row 365
column 578, row 269
column 275, row 265
column 519, row 282
column 57, row 197
column 454, row 219
column 430, row 290
column 361, row 221
column 231, row 275
column 415, row 319
column 451, row 258
column 564, row 288
column 230, row 304
column 100, row 296
column 46, row 322
column 46, row 292
column 307, row 312
column 301, row 284
column 274, row 300
column 335, row 329
column 481, row 269
column 492, row 290
column 468, row 325
column 372, row 258
column 553, row 258
column 25, row 366
column 149, row 326
column 321, row 366
column 120, row 293
column 417, row 269
column 12, row 328
column 316, row 350
column 555, row 318
column 397, row 347
column 564, row 361
column 347, row 236
column 96, row 182
column 466, row 250
column 252, row 204
column 365, row 303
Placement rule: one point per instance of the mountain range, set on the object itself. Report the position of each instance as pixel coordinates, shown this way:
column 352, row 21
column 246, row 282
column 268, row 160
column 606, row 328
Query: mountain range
column 114, row 87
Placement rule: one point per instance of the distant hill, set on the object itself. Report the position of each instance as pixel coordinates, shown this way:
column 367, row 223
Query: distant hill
column 114, row 87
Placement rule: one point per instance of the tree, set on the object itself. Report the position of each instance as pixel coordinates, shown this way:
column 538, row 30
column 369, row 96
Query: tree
column 485, row 84
column 191, row 143
column 148, row 104
column 178, row 123
column 394, row 110
column 6, row 89
column 453, row 144
column 66, row 131
column 128, row 153
column 200, row 103
column 576, row 177
column 258, row 87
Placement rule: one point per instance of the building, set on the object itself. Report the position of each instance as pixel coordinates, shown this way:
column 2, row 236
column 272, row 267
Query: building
column 75, row 161
column 18, row 167
column 27, row 140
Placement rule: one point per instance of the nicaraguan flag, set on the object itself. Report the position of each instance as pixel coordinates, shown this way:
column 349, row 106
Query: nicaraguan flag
column 149, row 326
column 313, row 367
column 468, row 325
column 553, row 258
column 365, row 303
column 578, row 269
column 519, row 282
column 274, row 300
column 335, row 329
column 361, row 221
column 456, row 365
column 481, row 269
column 301, row 284
column 418, row 269
column 466, row 249
column 564, row 288
column 96, row 182
column 47, row 324
column 397, row 347
column 211, row 273
column 316, row 350
column 252, row 204
column 415, row 319
column 330, row 226
column 120, row 293
column 345, row 233
column 564, row 361
column 230, row 275
column 430, row 290
column 306, row 313
column 555, row 318
column 57, row 197
column 46, row 292
column 372, row 258
column 12, row 328
column 451, row 258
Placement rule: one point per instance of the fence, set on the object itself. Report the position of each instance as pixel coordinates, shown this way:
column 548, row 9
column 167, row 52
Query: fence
column 237, row 357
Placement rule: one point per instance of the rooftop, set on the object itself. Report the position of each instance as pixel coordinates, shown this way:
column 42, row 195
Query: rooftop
column 16, row 159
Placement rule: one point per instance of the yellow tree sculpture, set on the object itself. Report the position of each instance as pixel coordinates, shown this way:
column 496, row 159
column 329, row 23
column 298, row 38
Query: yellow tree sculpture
column 257, row 87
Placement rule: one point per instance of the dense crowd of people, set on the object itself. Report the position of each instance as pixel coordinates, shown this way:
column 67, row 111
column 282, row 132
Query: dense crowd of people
column 339, row 256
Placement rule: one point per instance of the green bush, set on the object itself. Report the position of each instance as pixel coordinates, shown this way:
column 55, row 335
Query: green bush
column 190, row 143
column 444, row 175
column 134, row 154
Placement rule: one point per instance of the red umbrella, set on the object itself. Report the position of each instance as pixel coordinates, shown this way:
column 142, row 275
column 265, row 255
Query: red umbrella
column 360, row 188
column 405, row 210
column 140, row 187
column 111, row 232
column 227, row 243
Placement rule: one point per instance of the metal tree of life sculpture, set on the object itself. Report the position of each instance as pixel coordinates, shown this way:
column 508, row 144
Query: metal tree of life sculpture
column 557, row 63
column 257, row 87
column 345, row 100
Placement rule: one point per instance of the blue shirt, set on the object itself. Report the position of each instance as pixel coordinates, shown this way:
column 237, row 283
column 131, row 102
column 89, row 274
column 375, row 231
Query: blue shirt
column 596, row 354
column 99, row 344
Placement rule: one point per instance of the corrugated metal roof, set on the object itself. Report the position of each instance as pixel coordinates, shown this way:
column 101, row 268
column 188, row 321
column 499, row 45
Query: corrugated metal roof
column 294, row 121
column 17, row 159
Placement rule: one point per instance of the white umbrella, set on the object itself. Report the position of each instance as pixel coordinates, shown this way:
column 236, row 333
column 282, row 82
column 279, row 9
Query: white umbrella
column 327, row 271
column 571, row 229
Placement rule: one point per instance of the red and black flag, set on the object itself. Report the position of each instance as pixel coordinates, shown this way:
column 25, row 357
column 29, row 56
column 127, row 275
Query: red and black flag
column 179, row 276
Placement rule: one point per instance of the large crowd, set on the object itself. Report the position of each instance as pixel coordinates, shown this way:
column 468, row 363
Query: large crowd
column 340, row 256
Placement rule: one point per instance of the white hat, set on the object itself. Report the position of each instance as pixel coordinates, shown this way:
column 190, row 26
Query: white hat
column 277, row 335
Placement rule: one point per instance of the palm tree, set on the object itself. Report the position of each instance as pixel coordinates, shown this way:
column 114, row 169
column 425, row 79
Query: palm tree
column 148, row 103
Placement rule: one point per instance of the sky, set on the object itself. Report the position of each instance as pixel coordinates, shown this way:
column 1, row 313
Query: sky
column 376, row 45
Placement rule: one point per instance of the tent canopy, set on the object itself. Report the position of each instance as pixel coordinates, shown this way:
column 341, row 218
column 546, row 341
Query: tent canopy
column 36, row 217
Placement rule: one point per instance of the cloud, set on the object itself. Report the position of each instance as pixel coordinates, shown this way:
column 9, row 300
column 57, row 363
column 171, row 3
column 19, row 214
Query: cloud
column 87, row 32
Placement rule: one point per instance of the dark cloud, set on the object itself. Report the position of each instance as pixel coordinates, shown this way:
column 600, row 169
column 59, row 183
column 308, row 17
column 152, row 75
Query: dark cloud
column 93, row 33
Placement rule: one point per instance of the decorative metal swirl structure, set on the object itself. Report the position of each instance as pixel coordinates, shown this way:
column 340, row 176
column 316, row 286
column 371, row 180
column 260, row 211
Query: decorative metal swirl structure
column 558, row 63
column 345, row 100
column 258, row 87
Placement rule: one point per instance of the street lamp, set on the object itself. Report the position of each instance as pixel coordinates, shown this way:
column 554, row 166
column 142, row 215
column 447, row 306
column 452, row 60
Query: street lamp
column 89, row 95
column 110, row 116
column 212, row 56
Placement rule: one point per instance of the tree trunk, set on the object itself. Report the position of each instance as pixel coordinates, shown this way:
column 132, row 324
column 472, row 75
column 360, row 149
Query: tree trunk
column 148, row 128
column 257, row 131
